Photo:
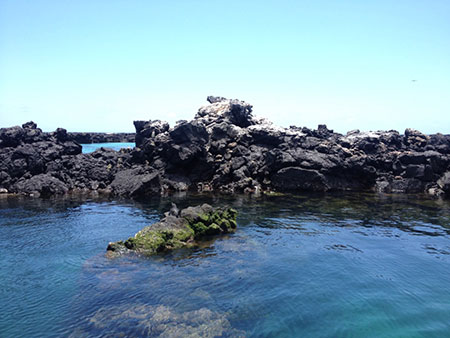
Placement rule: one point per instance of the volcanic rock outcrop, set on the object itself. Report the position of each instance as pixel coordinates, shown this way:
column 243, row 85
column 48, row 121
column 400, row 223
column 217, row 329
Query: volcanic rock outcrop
column 43, row 164
column 225, row 148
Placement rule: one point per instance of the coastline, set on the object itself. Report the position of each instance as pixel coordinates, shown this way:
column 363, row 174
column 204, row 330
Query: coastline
column 225, row 149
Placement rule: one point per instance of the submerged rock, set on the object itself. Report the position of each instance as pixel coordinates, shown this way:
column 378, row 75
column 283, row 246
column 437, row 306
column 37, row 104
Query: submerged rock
column 178, row 229
column 142, row 320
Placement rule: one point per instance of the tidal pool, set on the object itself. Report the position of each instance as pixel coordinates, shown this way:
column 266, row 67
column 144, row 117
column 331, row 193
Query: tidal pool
column 311, row 265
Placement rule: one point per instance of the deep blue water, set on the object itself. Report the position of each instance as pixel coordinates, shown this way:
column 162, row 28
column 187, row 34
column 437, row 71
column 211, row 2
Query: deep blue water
column 353, row 265
column 90, row 147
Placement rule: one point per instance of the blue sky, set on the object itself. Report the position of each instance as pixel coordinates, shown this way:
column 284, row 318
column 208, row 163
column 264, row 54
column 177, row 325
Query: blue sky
column 98, row 65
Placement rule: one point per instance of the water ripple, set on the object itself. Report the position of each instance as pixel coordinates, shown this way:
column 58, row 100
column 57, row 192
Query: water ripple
column 312, row 265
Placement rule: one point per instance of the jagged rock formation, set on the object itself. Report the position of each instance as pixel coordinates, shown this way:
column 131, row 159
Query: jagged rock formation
column 86, row 138
column 179, row 229
column 225, row 148
column 44, row 164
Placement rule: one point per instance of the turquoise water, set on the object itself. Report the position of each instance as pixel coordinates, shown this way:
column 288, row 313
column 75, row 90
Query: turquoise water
column 299, row 266
column 90, row 147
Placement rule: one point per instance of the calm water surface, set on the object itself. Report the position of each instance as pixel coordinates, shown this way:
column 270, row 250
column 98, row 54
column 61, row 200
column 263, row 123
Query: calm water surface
column 89, row 148
column 299, row 266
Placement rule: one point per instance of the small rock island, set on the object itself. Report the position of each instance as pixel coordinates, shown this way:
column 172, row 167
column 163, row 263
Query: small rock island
column 178, row 229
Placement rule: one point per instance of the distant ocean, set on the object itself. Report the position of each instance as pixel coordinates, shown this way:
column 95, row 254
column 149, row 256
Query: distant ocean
column 89, row 148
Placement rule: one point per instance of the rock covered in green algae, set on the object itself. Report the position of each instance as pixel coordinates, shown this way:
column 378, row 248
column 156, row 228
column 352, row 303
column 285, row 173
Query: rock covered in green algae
column 179, row 229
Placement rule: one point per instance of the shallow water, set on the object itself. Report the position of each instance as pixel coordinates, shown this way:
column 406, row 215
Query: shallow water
column 91, row 147
column 352, row 265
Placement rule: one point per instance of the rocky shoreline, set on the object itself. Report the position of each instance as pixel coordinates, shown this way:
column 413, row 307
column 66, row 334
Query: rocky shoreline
column 86, row 138
column 225, row 148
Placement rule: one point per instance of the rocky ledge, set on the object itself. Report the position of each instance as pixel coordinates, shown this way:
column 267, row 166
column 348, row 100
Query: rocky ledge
column 225, row 148
column 178, row 229
column 86, row 138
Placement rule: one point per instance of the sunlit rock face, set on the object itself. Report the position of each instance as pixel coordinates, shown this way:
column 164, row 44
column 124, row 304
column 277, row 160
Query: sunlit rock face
column 226, row 148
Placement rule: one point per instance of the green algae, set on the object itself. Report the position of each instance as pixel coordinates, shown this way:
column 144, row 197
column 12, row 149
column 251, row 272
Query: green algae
column 174, row 232
column 274, row 193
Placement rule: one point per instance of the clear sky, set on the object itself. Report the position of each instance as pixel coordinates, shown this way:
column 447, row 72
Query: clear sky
column 97, row 65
